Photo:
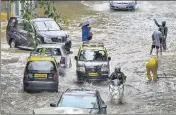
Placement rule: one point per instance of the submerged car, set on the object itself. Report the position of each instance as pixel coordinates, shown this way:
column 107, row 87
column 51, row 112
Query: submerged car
column 92, row 62
column 59, row 52
column 84, row 99
column 40, row 74
column 60, row 110
column 47, row 31
column 123, row 5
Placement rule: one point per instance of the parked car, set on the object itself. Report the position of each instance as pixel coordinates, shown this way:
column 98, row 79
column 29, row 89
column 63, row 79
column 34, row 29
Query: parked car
column 47, row 31
column 59, row 52
column 84, row 99
column 40, row 74
column 123, row 5
column 60, row 110
column 92, row 62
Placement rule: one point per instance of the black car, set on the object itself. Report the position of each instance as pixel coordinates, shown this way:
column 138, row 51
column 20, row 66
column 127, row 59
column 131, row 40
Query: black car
column 47, row 31
column 92, row 62
column 84, row 99
column 41, row 73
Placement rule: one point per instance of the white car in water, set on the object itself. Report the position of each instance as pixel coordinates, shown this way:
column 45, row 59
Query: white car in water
column 126, row 5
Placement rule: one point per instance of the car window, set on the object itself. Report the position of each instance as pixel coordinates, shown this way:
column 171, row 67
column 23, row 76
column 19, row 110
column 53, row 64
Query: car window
column 79, row 101
column 20, row 24
column 47, row 25
column 55, row 51
column 40, row 66
column 93, row 55
column 12, row 22
column 27, row 26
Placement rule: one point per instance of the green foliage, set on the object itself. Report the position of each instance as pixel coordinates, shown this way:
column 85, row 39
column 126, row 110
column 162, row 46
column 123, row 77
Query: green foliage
column 51, row 12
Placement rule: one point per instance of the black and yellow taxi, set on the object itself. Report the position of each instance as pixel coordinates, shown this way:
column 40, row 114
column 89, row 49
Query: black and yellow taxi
column 41, row 73
column 92, row 62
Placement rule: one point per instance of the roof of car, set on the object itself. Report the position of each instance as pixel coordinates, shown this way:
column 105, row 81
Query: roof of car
column 56, row 45
column 93, row 46
column 84, row 92
column 36, row 19
column 41, row 58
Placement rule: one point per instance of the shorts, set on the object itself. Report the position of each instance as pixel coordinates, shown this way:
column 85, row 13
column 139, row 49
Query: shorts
column 153, row 46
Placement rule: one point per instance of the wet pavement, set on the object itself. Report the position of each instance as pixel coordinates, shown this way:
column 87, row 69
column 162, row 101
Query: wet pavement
column 127, row 36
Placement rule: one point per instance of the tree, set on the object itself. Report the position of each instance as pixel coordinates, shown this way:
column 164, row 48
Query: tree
column 49, row 11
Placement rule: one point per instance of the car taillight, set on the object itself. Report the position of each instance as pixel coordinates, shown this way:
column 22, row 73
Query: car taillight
column 55, row 77
column 25, row 79
column 62, row 62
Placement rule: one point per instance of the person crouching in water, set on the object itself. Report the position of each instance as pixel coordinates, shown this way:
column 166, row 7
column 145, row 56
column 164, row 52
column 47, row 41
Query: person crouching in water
column 157, row 41
column 86, row 33
column 152, row 66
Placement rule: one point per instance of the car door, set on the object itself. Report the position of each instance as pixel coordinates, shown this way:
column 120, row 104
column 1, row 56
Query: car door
column 22, row 32
column 67, row 57
column 31, row 36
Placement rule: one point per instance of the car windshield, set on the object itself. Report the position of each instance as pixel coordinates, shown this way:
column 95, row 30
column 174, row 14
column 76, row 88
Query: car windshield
column 47, row 25
column 40, row 66
column 54, row 51
column 92, row 55
column 79, row 101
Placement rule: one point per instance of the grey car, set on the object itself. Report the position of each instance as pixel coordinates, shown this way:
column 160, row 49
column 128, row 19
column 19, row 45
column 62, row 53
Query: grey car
column 123, row 5
column 59, row 53
column 82, row 98
column 47, row 31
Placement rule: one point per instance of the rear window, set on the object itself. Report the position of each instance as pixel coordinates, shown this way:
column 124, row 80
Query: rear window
column 41, row 66
column 55, row 51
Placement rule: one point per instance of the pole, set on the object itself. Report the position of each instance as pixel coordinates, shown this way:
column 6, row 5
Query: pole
column 8, row 10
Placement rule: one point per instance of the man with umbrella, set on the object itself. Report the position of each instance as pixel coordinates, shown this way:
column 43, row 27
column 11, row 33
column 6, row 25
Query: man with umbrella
column 86, row 30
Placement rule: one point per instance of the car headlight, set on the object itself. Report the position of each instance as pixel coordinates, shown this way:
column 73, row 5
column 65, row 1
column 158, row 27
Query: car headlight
column 104, row 68
column 81, row 68
column 47, row 39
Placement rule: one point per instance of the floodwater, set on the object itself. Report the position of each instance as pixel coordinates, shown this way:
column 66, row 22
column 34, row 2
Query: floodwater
column 127, row 36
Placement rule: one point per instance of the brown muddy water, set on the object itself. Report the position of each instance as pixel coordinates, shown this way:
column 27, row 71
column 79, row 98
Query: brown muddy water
column 127, row 36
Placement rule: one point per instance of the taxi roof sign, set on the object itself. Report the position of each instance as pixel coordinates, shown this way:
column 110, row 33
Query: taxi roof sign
column 92, row 44
column 40, row 58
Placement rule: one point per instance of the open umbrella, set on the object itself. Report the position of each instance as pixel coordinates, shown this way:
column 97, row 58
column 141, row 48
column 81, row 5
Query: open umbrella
column 88, row 21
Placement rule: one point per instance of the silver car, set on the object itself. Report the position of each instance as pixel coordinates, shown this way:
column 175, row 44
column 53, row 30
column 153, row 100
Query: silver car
column 60, row 53
column 123, row 5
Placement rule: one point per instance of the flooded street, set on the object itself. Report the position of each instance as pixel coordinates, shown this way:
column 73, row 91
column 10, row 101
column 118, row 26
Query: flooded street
column 127, row 37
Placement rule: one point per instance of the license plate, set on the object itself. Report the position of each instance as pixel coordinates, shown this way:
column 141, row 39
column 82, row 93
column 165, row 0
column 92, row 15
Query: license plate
column 122, row 6
column 41, row 75
column 93, row 74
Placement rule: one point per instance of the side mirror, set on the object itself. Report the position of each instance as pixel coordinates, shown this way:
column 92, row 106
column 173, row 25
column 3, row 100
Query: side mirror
column 53, row 105
column 109, row 58
column 76, row 58
column 104, row 106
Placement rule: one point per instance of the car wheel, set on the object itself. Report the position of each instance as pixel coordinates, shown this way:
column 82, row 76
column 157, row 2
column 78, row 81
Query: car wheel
column 80, row 81
column 13, row 44
column 56, row 90
column 24, row 88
